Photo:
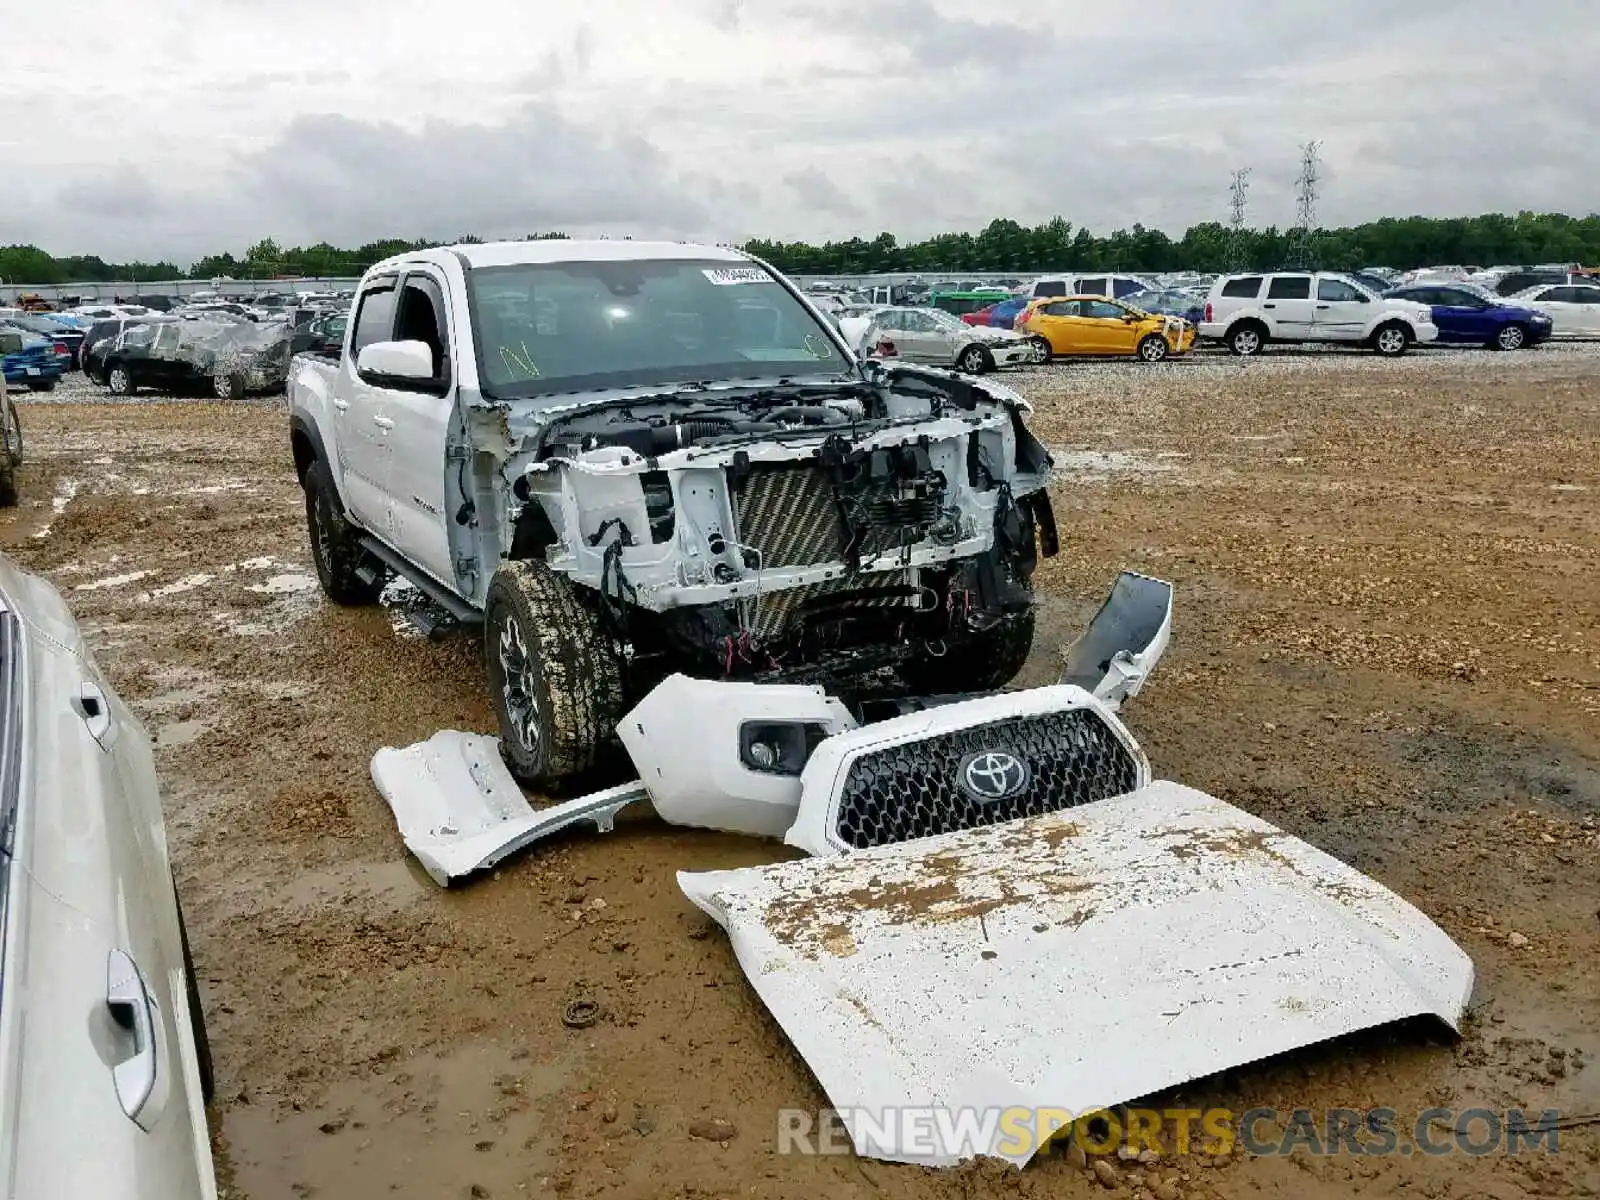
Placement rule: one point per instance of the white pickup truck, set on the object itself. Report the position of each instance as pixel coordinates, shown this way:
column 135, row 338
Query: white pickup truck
column 629, row 458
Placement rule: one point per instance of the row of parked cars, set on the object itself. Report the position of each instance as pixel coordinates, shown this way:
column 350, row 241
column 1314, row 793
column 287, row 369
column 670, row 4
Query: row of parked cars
column 205, row 344
column 1131, row 316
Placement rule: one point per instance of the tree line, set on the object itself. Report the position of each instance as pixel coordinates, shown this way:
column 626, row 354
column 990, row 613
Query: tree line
column 1003, row 245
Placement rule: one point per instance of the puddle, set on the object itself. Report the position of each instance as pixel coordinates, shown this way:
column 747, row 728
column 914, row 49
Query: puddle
column 392, row 885
column 65, row 491
column 284, row 585
column 1099, row 465
column 187, row 584
column 179, row 733
column 112, row 581
column 487, row 1120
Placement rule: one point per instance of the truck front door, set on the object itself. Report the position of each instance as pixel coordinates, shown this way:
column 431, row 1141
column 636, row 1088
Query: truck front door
column 361, row 418
column 426, row 485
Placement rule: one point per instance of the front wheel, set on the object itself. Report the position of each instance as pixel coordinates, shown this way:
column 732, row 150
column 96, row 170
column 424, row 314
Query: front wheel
column 555, row 679
column 1153, row 348
column 118, row 381
column 336, row 544
column 1391, row 341
column 1511, row 337
column 1042, row 351
column 974, row 360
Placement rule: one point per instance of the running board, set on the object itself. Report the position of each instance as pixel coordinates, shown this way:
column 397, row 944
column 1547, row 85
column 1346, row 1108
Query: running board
column 430, row 587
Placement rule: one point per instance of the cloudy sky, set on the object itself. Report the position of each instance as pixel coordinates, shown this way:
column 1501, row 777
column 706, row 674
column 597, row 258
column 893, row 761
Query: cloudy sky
column 171, row 128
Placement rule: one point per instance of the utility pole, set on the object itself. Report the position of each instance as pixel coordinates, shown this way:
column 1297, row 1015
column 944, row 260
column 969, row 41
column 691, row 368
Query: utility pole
column 1237, row 259
column 1300, row 249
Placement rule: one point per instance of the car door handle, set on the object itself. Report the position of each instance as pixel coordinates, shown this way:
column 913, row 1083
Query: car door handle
column 383, row 422
column 95, row 712
column 341, row 405
column 1324, row 306
column 1269, row 306
column 128, row 1001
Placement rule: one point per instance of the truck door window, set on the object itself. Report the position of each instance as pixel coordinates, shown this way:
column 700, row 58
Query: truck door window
column 1338, row 289
column 1289, row 287
column 375, row 319
column 421, row 319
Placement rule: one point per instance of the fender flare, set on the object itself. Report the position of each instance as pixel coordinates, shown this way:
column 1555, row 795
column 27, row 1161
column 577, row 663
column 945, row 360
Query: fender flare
column 301, row 426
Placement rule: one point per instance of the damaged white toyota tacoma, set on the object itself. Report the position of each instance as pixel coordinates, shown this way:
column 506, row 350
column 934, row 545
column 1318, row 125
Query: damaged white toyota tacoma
column 629, row 459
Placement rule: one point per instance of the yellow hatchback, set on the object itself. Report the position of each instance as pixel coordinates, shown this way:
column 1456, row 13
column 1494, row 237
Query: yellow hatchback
column 1097, row 326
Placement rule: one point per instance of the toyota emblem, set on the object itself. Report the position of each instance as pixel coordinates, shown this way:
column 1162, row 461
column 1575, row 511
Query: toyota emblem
column 991, row 775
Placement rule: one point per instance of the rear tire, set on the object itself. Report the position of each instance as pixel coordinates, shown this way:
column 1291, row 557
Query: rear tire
column 1247, row 339
column 979, row 661
column 228, row 387
column 554, row 678
column 1391, row 340
column 1510, row 337
column 336, row 544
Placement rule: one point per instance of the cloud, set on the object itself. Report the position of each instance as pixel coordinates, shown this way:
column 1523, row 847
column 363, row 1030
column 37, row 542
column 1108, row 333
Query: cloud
column 815, row 190
column 785, row 118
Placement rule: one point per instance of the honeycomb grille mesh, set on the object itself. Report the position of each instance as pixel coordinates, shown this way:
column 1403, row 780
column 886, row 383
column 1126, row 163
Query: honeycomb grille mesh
column 788, row 513
column 920, row 789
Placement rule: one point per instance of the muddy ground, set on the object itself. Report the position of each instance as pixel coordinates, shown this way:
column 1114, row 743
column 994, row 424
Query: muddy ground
column 1388, row 585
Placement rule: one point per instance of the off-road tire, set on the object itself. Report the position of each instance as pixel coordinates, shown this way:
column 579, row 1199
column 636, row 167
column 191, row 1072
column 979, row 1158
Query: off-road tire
column 1385, row 343
column 975, row 662
column 974, row 360
column 12, row 433
column 197, row 1015
column 1247, row 339
column 1153, row 348
column 335, row 543
column 555, row 679
column 1511, row 337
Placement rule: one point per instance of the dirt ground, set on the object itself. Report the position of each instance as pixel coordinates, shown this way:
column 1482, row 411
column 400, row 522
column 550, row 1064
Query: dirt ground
column 1387, row 641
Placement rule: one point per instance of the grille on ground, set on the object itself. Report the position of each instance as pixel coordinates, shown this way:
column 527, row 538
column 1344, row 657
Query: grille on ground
column 983, row 775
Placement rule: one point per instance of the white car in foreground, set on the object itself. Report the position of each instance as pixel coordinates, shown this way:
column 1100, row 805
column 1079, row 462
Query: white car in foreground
column 1573, row 308
column 104, row 1065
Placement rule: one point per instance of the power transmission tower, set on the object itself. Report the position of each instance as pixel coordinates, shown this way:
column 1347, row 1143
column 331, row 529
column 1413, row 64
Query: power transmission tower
column 1237, row 259
column 1300, row 249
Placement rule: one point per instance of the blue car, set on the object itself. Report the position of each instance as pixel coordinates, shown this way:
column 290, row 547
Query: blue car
column 1004, row 315
column 37, row 365
column 1468, row 316
column 1170, row 302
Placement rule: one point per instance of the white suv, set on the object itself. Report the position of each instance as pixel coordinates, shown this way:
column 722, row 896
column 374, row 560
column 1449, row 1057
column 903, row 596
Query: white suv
column 1248, row 311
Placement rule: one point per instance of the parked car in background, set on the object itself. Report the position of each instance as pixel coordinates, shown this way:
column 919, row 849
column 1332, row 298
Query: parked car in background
column 10, row 426
column 1510, row 283
column 929, row 335
column 37, row 365
column 1004, row 315
column 155, row 303
column 1246, row 312
column 1099, row 327
column 1170, row 302
column 959, row 303
column 1468, row 315
column 228, row 358
column 1115, row 286
column 103, row 1046
column 104, row 312
column 1573, row 308
column 64, row 333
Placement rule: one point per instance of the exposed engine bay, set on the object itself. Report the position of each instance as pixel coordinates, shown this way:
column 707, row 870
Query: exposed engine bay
column 819, row 531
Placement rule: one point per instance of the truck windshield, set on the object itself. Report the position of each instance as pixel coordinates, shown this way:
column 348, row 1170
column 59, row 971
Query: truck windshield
column 542, row 328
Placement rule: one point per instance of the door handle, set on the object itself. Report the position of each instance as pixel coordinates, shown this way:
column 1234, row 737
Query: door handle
column 1322, row 306
column 1269, row 306
column 383, row 422
column 95, row 712
column 129, row 1003
column 341, row 405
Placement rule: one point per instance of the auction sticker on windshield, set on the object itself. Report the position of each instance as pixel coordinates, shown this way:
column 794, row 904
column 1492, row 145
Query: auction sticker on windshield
column 722, row 276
